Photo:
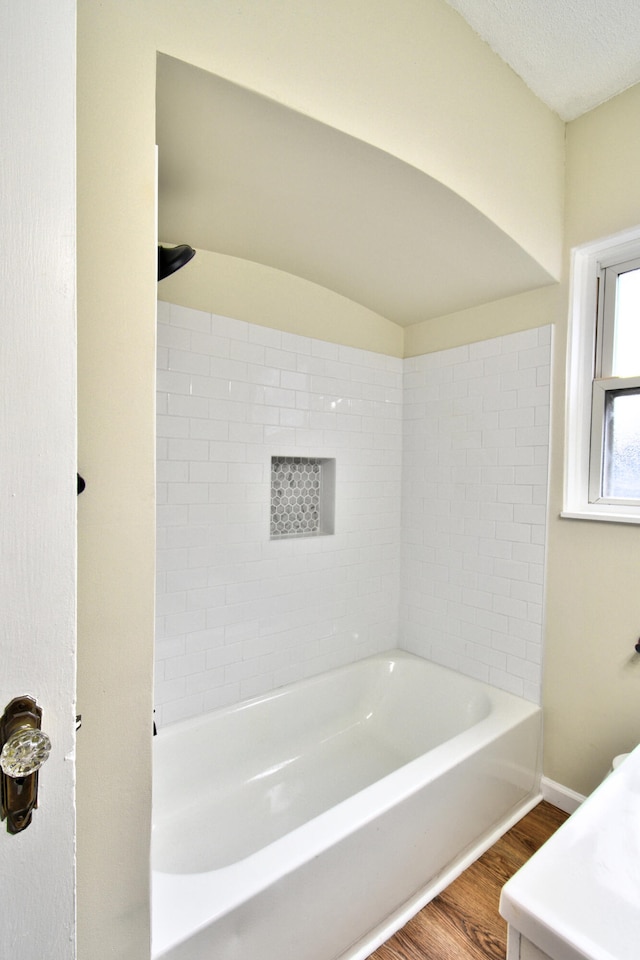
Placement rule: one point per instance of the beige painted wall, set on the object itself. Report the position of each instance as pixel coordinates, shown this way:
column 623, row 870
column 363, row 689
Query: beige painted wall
column 410, row 78
column 116, row 525
column 592, row 690
column 591, row 687
column 592, row 683
column 533, row 309
column 271, row 298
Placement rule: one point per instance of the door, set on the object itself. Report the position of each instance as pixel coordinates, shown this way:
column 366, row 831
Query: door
column 38, row 456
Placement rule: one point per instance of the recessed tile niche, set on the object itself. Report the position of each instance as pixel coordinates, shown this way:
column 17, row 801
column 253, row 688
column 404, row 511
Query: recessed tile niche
column 302, row 497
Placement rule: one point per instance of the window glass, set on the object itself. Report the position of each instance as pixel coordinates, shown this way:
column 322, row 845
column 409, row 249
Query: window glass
column 626, row 344
column 621, row 473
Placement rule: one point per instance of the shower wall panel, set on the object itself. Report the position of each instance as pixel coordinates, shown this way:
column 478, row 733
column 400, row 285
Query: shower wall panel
column 239, row 613
column 474, row 506
column 440, row 508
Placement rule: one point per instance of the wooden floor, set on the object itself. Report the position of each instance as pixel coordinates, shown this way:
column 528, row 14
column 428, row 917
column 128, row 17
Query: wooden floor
column 463, row 922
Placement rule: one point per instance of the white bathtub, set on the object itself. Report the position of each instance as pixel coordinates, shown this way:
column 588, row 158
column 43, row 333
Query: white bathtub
column 314, row 821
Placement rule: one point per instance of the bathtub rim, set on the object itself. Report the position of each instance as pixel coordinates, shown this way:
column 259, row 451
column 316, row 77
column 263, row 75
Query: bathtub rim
column 284, row 855
column 406, row 779
column 400, row 783
column 390, row 655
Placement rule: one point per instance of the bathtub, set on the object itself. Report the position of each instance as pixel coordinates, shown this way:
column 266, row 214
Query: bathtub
column 312, row 822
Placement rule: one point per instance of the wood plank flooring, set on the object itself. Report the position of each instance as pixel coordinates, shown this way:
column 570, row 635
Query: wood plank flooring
column 463, row 922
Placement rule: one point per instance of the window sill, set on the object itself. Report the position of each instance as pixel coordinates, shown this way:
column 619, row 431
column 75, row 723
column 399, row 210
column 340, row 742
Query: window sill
column 599, row 514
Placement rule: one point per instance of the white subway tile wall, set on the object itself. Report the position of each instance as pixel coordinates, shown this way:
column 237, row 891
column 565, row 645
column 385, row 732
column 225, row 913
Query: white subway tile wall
column 237, row 612
column 474, row 503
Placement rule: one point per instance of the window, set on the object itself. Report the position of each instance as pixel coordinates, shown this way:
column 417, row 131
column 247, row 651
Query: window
column 602, row 465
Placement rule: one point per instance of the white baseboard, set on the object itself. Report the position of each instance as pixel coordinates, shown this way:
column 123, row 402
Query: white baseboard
column 562, row 797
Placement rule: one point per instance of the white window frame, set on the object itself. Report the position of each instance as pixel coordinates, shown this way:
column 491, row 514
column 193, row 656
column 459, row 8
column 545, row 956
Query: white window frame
column 587, row 380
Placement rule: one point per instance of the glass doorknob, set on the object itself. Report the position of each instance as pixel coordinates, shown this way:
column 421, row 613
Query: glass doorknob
column 24, row 752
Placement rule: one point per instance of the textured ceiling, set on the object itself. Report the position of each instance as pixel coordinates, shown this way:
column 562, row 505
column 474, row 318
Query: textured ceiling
column 573, row 54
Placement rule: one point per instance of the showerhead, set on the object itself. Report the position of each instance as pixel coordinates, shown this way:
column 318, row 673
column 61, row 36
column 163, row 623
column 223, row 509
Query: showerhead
column 171, row 259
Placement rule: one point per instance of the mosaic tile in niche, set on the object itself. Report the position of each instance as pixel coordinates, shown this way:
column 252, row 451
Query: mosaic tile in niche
column 297, row 497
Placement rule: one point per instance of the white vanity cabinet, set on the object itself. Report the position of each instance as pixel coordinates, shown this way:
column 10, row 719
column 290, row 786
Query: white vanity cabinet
column 578, row 897
column 519, row 948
